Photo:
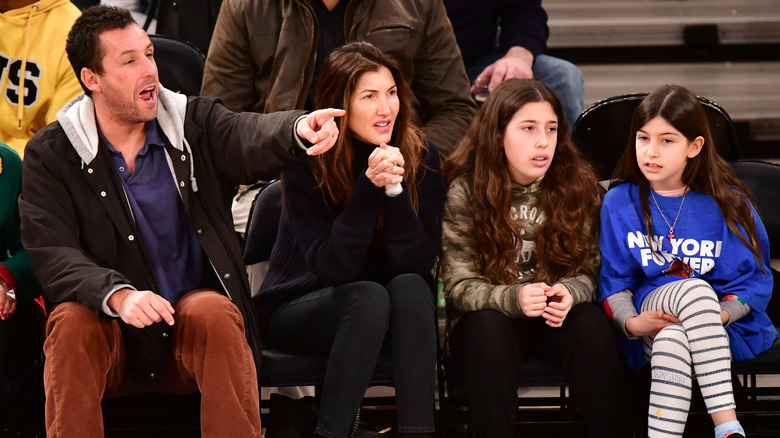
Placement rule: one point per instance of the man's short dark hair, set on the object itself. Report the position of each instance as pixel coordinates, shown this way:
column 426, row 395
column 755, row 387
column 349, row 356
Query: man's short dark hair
column 83, row 45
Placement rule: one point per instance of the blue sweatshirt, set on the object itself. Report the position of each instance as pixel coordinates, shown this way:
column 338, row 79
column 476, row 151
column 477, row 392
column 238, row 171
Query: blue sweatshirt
column 703, row 247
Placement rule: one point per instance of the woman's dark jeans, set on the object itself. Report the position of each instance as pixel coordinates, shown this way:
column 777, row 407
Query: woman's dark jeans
column 349, row 324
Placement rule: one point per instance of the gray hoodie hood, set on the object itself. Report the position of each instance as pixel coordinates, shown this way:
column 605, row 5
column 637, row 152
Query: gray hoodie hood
column 77, row 119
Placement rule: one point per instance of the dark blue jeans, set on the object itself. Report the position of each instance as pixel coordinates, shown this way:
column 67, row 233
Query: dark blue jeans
column 349, row 324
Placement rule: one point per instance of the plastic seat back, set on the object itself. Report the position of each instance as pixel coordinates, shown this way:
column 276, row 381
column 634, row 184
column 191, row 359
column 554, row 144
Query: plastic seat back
column 180, row 65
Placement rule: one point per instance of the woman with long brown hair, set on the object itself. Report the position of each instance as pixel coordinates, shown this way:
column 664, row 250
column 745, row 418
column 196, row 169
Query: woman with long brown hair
column 685, row 257
column 358, row 238
column 520, row 261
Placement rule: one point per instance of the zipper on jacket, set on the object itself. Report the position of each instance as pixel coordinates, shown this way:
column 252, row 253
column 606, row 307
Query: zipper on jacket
column 412, row 30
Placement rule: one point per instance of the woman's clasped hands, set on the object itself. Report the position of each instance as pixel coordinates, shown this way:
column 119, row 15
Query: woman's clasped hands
column 385, row 166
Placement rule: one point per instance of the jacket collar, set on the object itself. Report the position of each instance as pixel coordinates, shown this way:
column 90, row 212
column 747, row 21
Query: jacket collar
column 77, row 119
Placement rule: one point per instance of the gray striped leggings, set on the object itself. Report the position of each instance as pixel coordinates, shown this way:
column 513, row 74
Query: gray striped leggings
column 696, row 347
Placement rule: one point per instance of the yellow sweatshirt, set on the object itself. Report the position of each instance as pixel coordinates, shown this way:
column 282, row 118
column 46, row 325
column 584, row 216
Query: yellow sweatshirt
column 32, row 39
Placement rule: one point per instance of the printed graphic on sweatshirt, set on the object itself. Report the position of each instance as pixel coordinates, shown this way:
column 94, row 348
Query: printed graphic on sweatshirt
column 528, row 220
column 684, row 256
column 10, row 70
column 679, row 269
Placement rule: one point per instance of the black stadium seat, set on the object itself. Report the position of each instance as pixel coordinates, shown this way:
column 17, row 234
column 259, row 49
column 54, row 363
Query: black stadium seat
column 179, row 64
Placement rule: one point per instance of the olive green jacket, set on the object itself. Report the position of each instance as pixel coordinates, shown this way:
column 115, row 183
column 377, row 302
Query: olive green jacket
column 465, row 289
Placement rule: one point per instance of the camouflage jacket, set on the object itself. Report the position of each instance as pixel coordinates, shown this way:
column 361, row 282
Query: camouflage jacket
column 465, row 289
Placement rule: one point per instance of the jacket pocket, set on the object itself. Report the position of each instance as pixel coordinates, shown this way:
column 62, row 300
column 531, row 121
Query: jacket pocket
column 393, row 36
column 401, row 41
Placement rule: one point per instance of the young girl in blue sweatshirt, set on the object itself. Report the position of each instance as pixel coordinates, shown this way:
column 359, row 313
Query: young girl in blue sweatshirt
column 685, row 261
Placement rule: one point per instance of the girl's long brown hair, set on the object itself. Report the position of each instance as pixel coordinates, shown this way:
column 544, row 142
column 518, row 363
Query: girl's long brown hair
column 707, row 172
column 570, row 197
column 335, row 86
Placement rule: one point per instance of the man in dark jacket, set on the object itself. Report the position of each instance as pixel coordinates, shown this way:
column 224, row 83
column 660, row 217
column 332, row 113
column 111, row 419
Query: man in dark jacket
column 126, row 220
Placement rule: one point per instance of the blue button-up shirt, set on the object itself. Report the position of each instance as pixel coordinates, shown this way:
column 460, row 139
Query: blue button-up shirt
column 174, row 251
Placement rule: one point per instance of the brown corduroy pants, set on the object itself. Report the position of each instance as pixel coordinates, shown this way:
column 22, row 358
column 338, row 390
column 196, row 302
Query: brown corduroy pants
column 85, row 361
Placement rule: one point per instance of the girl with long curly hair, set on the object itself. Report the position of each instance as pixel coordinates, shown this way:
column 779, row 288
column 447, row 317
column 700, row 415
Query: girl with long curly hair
column 684, row 263
column 520, row 261
column 358, row 239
